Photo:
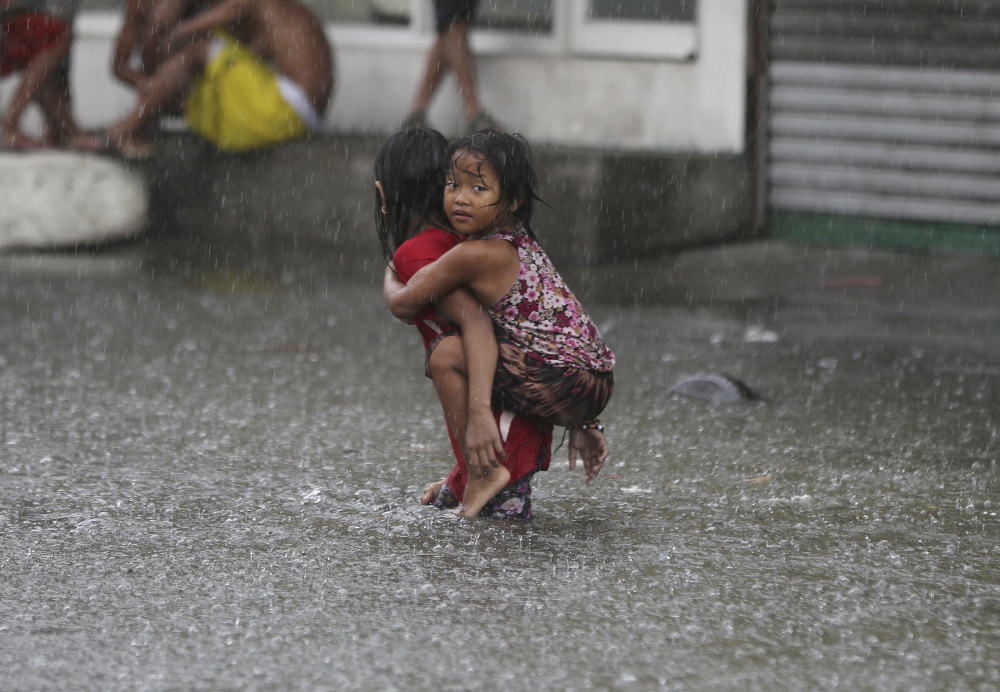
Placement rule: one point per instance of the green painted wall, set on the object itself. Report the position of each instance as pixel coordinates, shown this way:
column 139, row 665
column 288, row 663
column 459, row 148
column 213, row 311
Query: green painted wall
column 942, row 238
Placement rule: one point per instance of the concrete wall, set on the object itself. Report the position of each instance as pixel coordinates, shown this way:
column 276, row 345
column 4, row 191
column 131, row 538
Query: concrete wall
column 636, row 157
column 541, row 89
column 602, row 207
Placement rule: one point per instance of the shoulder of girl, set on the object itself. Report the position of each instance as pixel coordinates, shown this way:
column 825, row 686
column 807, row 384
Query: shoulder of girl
column 480, row 251
column 496, row 247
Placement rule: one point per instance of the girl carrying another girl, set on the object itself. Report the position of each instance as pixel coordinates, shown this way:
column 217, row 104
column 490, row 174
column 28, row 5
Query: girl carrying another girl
column 413, row 231
column 551, row 362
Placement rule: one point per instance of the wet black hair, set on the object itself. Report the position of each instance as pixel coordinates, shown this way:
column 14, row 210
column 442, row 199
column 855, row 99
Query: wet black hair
column 411, row 168
column 510, row 156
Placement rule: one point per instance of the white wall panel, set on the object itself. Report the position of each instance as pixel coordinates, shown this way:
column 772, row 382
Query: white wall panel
column 547, row 93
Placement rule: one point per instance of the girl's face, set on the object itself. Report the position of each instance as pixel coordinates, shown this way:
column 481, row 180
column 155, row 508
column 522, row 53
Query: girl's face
column 472, row 195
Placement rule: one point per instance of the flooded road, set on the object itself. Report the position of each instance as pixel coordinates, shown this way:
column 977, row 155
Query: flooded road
column 209, row 479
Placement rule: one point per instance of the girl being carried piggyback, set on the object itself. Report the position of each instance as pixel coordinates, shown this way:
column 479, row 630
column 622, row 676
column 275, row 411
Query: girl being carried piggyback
column 414, row 232
column 551, row 362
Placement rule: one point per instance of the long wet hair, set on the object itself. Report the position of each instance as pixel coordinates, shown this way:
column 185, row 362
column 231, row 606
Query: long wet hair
column 510, row 156
column 411, row 168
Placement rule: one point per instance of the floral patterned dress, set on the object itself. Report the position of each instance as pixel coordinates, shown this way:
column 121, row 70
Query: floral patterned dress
column 543, row 316
column 553, row 363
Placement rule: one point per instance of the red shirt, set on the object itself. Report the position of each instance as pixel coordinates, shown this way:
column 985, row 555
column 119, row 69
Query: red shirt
column 25, row 36
column 411, row 257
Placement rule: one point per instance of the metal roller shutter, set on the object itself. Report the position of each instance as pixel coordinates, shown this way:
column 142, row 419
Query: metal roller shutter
column 886, row 109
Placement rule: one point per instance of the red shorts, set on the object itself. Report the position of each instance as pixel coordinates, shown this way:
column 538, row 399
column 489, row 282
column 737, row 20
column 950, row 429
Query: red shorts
column 25, row 36
column 528, row 445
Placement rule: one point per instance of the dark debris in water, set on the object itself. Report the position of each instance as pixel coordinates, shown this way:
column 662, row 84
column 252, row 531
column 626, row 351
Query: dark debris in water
column 716, row 388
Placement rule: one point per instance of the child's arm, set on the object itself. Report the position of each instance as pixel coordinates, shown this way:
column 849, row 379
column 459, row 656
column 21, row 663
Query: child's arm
column 125, row 45
column 431, row 283
column 226, row 13
column 484, row 447
column 487, row 268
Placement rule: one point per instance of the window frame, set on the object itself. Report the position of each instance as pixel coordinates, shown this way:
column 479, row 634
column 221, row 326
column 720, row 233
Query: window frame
column 654, row 39
column 573, row 34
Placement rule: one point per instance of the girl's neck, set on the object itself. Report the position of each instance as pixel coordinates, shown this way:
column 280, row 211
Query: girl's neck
column 430, row 222
column 504, row 225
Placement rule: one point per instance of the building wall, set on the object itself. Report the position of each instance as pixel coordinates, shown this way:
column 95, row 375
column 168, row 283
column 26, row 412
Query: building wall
column 546, row 93
column 635, row 157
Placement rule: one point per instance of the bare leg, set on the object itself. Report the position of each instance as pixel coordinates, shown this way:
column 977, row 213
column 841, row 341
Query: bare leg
column 448, row 372
column 436, row 68
column 447, row 366
column 162, row 17
column 168, row 82
column 54, row 99
column 36, row 76
column 480, row 489
column 450, row 51
column 459, row 57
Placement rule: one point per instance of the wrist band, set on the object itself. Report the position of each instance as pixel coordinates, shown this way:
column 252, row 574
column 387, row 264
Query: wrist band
column 593, row 425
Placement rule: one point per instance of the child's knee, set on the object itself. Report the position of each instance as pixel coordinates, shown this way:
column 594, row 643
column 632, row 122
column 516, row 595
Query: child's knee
column 447, row 356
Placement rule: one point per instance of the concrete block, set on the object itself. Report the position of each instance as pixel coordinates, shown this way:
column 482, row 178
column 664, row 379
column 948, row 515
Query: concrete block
column 59, row 199
column 654, row 203
column 600, row 208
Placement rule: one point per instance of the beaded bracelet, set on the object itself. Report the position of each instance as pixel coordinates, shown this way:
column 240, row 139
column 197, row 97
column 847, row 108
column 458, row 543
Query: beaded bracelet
column 593, row 425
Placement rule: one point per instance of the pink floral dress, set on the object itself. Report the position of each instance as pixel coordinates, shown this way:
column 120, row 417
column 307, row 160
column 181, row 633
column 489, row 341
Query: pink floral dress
column 553, row 364
column 543, row 316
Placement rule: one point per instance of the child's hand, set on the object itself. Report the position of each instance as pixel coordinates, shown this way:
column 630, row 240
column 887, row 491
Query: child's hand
column 593, row 449
column 484, row 447
column 391, row 286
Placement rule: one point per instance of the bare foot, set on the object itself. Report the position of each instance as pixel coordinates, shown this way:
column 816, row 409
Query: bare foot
column 16, row 141
column 431, row 492
column 134, row 149
column 82, row 142
column 479, row 491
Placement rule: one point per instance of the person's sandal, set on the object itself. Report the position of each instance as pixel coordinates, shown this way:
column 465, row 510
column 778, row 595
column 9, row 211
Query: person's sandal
column 482, row 121
column 417, row 120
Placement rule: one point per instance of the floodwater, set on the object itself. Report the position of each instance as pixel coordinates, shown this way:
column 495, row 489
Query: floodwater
column 209, row 480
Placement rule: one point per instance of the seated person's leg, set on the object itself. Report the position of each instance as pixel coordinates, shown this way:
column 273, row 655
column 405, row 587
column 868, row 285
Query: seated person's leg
column 57, row 106
column 41, row 69
column 169, row 81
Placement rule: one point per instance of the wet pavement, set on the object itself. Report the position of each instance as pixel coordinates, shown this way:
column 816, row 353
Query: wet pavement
column 210, row 460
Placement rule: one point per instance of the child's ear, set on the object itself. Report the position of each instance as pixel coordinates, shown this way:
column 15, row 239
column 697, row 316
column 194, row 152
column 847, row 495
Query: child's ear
column 381, row 193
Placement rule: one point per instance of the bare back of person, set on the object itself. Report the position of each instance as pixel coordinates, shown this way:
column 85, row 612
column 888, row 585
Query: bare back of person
column 289, row 36
column 285, row 34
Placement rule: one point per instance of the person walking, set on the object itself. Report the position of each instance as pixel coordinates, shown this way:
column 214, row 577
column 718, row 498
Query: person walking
column 451, row 52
